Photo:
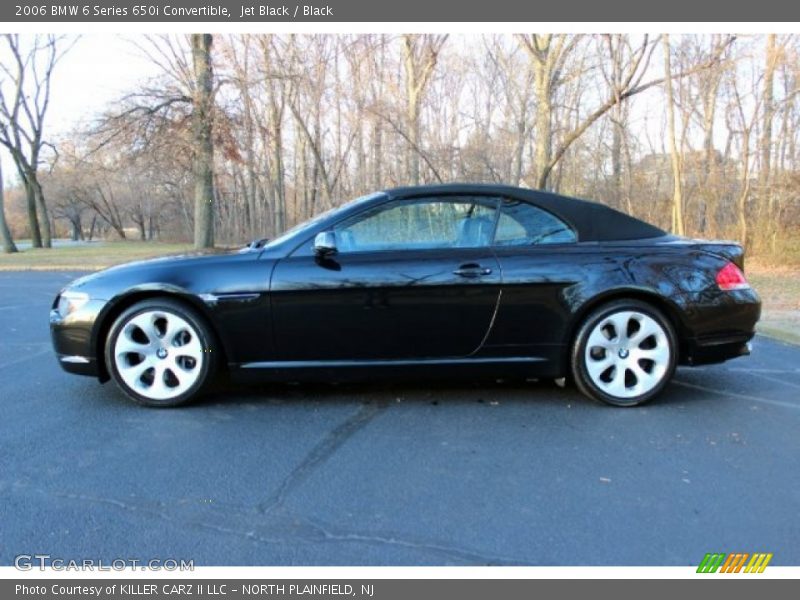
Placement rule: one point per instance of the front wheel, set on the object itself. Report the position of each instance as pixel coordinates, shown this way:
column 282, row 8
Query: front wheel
column 159, row 352
column 625, row 353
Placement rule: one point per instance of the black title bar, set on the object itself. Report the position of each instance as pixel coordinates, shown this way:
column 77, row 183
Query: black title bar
column 332, row 11
column 391, row 589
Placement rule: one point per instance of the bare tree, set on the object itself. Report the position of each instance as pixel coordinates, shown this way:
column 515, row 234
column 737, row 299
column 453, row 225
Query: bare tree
column 22, row 116
column 742, row 118
column 773, row 55
column 550, row 55
column 674, row 152
column 613, row 70
column 515, row 82
column 420, row 55
column 708, row 83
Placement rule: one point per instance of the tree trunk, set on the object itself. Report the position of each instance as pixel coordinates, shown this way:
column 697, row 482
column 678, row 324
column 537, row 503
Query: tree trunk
column 377, row 155
column 252, row 179
column 30, row 205
column 412, row 110
column 279, row 176
column 76, row 233
column 5, row 235
column 710, row 179
column 519, row 149
column 41, row 211
column 741, row 210
column 616, row 161
column 677, row 193
column 544, row 124
column 765, row 196
column 413, row 136
column 202, row 142
column 120, row 231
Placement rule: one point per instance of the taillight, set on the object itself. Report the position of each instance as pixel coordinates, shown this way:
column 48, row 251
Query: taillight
column 730, row 277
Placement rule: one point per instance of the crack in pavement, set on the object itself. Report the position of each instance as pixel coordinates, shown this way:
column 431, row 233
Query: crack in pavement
column 464, row 555
column 735, row 395
column 777, row 380
column 129, row 506
column 26, row 358
column 759, row 370
column 320, row 453
column 282, row 528
column 286, row 528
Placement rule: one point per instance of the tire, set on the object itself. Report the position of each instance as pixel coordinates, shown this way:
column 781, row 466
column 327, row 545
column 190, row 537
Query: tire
column 624, row 353
column 158, row 352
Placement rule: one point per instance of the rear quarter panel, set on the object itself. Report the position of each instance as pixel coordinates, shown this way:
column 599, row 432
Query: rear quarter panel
column 548, row 290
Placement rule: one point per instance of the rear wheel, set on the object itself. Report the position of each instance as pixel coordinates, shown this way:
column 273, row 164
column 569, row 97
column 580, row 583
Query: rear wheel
column 625, row 353
column 159, row 353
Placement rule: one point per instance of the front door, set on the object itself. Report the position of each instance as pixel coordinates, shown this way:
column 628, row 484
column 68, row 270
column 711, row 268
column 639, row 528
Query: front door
column 411, row 279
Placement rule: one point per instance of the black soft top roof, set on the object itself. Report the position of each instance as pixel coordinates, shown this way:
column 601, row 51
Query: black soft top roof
column 592, row 221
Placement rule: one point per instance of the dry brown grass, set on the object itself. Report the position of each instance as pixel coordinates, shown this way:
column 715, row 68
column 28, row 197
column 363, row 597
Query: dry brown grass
column 90, row 257
column 779, row 288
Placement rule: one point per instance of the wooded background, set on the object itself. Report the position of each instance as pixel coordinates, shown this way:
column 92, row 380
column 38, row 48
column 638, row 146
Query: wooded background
column 241, row 136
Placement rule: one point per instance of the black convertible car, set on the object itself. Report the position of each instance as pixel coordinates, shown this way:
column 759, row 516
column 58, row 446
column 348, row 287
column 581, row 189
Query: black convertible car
column 474, row 280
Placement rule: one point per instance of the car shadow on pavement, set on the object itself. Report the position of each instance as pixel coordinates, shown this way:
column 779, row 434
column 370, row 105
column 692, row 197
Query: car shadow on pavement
column 419, row 392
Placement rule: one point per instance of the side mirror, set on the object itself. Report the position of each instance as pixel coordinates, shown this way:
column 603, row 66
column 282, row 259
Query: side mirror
column 325, row 243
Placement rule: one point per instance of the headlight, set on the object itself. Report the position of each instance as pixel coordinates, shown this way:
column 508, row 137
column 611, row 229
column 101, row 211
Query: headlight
column 70, row 301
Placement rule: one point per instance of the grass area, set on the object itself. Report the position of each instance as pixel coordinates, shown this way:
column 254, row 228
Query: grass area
column 89, row 257
column 776, row 277
column 785, row 254
column 779, row 288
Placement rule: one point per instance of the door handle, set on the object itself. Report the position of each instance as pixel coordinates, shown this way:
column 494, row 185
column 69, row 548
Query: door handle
column 472, row 270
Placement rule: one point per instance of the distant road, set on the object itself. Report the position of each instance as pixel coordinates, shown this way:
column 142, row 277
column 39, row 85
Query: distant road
column 58, row 243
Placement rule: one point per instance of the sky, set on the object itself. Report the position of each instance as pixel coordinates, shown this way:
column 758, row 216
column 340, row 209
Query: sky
column 96, row 71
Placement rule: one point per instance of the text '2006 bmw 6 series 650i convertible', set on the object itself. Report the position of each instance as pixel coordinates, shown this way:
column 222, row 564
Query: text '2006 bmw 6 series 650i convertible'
column 481, row 280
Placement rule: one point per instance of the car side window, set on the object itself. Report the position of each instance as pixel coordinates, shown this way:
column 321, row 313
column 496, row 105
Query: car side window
column 420, row 224
column 523, row 224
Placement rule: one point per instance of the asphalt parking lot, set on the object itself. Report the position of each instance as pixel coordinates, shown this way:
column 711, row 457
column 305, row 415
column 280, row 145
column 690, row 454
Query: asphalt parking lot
column 409, row 473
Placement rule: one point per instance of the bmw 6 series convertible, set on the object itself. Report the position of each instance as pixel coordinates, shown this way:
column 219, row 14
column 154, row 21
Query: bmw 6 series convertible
column 453, row 280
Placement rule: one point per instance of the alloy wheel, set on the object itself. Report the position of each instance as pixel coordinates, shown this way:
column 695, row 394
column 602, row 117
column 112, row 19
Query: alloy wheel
column 627, row 354
column 158, row 354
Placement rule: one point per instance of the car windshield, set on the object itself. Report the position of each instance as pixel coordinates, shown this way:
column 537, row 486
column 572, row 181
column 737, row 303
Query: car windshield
column 310, row 223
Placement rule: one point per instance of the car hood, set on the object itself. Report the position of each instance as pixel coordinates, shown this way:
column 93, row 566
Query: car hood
column 194, row 273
